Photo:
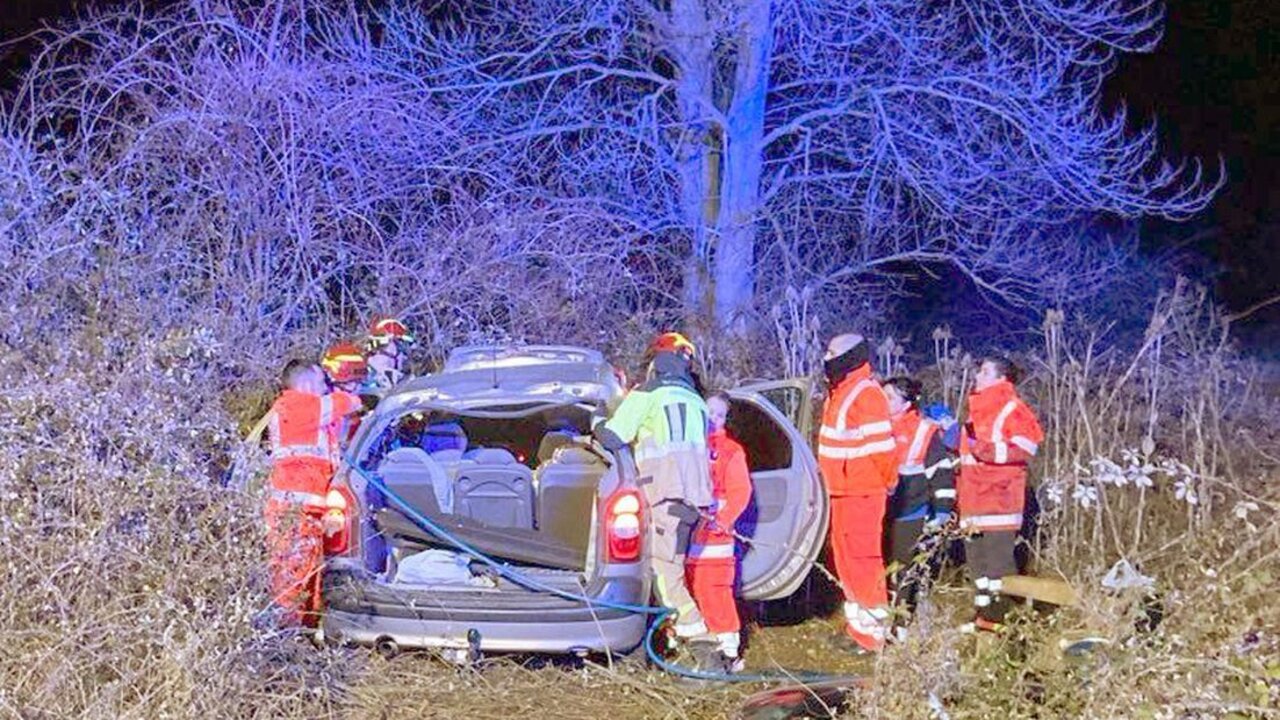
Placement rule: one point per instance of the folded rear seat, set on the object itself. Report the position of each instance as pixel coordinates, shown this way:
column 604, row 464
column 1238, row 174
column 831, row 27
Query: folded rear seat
column 492, row 487
column 411, row 474
column 567, row 487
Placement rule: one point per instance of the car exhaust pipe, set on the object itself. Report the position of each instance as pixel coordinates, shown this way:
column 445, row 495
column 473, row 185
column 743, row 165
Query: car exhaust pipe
column 387, row 647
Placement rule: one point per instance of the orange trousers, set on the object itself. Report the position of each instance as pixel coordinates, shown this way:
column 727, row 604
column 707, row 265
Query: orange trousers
column 711, row 583
column 857, row 532
column 295, row 554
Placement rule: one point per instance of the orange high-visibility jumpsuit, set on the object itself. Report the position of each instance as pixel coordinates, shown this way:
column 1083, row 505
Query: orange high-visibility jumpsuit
column 711, row 564
column 304, row 445
column 925, row 494
column 856, row 455
column 992, row 490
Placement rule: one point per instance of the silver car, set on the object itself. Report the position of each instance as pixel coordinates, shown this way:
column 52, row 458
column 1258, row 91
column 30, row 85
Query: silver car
column 496, row 449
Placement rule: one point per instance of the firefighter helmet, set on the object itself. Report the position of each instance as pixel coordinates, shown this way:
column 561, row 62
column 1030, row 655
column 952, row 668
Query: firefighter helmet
column 345, row 363
column 385, row 329
column 672, row 342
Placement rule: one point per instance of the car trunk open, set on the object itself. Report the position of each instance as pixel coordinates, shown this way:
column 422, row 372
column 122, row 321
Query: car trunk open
column 518, row 484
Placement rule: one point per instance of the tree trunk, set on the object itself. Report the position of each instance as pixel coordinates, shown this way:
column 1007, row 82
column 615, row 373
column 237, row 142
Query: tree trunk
column 734, row 261
column 697, row 155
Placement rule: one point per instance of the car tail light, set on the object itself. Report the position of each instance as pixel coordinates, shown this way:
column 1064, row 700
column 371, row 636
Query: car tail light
column 623, row 526
column 339, row 515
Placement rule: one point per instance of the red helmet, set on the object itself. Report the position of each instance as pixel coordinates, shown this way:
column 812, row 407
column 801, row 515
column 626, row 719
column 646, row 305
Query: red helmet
column 672, row 342
column 385, row 329
column 345, row 363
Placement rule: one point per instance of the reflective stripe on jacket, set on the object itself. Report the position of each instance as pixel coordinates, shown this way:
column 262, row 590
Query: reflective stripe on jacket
column 855, row 443
column 993, row 461
column 304, row 432
column 667, row 424
column 731, row 485
column 925, row 468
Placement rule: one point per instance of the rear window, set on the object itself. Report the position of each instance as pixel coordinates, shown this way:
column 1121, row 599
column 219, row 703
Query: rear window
column 766, row 443
column 528, row 438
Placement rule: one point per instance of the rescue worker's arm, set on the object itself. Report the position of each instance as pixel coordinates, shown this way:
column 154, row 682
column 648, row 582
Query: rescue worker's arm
column 620, row 430
column 939, row 470
column 874, row 420
column 345, row 403
column 737, row 490
column 1023, row 434
column 983, row 450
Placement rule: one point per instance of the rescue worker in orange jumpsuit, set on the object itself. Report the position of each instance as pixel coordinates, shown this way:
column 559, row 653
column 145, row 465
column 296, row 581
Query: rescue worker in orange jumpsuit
column 856, row 456
column 923, row 499
column 1001, row 436
column 303, row 424
column 711, row 565
column 387, row 347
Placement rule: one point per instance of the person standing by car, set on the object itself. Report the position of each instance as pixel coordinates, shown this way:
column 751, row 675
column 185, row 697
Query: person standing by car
column 388, row 347
column 856, row 457
column 667, row 423
column 303, row 424
column 1000, row 437
column 923, row 499
column 711, row 565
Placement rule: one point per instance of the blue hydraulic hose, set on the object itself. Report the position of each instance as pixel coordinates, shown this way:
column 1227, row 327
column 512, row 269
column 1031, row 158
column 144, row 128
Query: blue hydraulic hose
column 523, row 580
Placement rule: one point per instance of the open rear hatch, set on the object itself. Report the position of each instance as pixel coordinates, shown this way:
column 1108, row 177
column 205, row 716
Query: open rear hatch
column 517, row 484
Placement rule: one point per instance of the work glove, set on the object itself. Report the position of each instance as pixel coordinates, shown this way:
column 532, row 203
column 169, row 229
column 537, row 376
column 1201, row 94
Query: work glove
column 332, row 523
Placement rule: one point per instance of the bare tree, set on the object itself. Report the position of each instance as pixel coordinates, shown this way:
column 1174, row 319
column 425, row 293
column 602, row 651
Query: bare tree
column 490, row 166
column 264, row 175
column 817, row 143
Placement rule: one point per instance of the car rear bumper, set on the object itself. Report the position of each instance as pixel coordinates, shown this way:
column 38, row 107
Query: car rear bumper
column 613, row 633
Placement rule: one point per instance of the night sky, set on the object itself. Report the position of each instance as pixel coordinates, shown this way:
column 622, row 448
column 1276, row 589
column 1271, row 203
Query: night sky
column 1214, row 84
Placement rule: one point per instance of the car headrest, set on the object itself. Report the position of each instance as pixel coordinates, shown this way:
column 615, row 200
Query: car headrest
column 551, row 442
column 405, row 456
column 575, row 455
column 447, row 435
column 447, row 456
column 490, row 456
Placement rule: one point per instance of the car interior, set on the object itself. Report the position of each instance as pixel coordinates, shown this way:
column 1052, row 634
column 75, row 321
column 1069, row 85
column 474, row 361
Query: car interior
column 520, row 477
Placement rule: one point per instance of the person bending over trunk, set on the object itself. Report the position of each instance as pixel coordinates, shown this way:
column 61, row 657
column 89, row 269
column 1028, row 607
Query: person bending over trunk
column 304, row 424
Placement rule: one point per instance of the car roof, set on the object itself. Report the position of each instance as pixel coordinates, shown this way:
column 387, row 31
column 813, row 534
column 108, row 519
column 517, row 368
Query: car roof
column 470, row 357
column 480, row 376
